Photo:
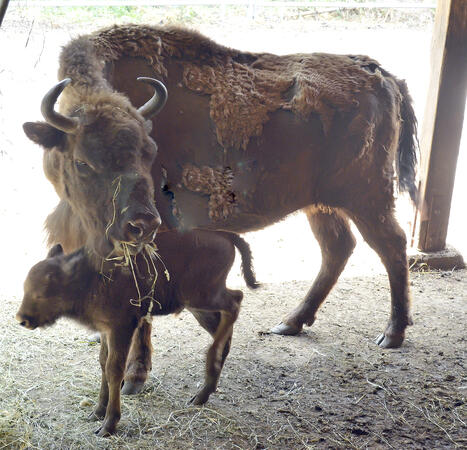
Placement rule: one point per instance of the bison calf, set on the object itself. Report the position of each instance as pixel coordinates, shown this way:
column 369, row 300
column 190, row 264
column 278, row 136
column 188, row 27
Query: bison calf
column 115, row 303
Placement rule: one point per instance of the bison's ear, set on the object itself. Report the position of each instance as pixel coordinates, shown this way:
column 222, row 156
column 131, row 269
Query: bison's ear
column 44, row 134
column 148, row 126
column 55, row 251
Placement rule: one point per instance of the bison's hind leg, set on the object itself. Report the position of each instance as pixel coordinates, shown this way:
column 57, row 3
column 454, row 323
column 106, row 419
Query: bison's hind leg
column 332, row 231
column 385, row 236
column 139, row 362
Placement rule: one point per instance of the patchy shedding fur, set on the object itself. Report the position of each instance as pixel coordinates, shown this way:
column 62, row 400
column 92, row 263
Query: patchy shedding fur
column 244, row 87
column 241, row 98
column 214, row 182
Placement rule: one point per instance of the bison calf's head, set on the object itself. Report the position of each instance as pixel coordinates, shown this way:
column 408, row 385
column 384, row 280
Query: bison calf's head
column 99, row 158
column 48, row 290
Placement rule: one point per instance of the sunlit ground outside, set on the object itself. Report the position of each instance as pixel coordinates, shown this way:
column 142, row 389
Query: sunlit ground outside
column 30, row 42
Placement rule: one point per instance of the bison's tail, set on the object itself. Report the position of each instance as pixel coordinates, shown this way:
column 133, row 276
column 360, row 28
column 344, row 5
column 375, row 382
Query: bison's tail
column 247, row 260
column 408, row 145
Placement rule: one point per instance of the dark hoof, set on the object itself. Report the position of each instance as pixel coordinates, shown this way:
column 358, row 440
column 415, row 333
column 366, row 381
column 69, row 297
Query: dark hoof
column 132, row 387
column 97, row 414
column 102, row 432
column 200, row 398
column 94, row 417
column 286, row 330
column 390, row 341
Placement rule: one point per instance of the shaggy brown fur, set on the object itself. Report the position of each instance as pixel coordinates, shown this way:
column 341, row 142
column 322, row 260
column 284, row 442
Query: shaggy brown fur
column 198, row 263
column 317, row 132
column 109, row 153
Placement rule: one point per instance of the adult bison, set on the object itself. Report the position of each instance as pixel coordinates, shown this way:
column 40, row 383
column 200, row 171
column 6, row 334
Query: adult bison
column 244, row 140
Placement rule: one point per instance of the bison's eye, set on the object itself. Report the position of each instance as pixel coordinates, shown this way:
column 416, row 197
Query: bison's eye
column 82, row 167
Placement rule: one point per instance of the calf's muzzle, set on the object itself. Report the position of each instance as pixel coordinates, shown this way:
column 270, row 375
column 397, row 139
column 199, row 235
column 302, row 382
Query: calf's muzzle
column 24, row 322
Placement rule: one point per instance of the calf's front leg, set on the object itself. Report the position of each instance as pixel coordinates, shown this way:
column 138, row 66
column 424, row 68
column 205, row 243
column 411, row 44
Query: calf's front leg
column 118, row 342
column 99, row 410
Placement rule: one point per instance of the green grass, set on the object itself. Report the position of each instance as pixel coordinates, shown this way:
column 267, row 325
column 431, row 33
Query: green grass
column 82, row 14
column 96, row 16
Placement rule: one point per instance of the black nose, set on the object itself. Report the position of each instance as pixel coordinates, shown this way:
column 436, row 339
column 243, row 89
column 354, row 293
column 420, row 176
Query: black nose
column 142, row 228
column 24, row 322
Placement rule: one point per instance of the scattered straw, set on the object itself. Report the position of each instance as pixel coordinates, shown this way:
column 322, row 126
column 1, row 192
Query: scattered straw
column 45, row 374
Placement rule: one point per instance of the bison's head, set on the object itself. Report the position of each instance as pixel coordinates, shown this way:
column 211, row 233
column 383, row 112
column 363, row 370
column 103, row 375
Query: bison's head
column 45, row 292
column 99, row 159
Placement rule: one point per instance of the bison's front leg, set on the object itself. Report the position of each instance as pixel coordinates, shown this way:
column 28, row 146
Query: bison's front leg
column 139, row 360
column 118, row 342
column 337, row 242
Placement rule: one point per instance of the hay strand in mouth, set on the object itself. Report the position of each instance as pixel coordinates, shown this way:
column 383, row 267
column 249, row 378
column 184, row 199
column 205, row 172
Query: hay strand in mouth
column 149, row 254
column 129, row 262
column 114, row 198
column 151, row 249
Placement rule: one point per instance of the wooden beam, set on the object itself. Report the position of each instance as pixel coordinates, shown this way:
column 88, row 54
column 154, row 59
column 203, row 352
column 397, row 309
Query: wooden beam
column 3, row 8
column 442, row 123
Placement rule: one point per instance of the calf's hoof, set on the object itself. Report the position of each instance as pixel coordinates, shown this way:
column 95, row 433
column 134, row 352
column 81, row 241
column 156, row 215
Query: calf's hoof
column 385, row 340
column 97, row 414
column 104, row 432
column 132, row 387
column 202, row 396
column 108, row 427
column 286, row 330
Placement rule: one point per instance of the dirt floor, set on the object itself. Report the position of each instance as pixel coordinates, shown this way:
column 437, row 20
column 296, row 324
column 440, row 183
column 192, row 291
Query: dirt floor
column 330, row 387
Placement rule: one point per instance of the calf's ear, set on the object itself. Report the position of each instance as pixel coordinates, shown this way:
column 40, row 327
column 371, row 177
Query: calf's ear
column 44, row 134
column 72, row 264
column 55, row 251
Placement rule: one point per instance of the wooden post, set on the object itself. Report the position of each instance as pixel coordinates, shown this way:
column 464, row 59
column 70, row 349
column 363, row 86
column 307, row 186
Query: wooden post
column 442, row 123
column 3, row 7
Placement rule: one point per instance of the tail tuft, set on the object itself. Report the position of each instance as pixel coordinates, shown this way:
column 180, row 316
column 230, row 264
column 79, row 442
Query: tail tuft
column 408, row 145
column 247, row 259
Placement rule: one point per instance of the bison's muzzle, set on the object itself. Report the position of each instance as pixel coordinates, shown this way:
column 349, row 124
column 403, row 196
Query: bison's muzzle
column 142, row 229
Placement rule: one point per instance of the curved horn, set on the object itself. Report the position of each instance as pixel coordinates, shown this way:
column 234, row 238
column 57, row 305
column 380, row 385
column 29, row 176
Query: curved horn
column 157, row 102
column 63, row 123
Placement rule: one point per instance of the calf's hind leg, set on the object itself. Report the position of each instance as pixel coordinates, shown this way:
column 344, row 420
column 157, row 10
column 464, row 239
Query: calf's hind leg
column 215, row 357
column 385, row 236
column 210, row 322
column 220, row 326
column 337, row 242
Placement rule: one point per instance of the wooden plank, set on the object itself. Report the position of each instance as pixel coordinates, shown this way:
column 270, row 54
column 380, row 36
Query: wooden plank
column 3, row 8
column 443, row 120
